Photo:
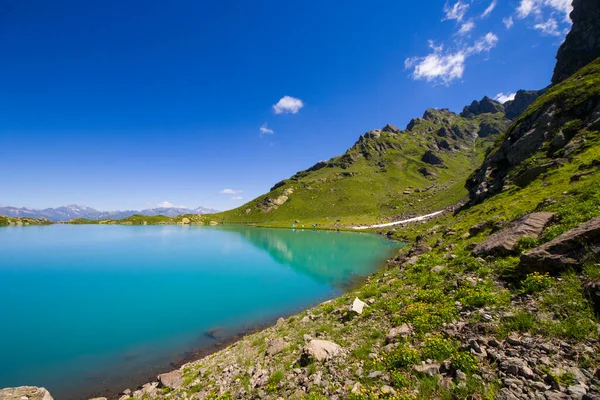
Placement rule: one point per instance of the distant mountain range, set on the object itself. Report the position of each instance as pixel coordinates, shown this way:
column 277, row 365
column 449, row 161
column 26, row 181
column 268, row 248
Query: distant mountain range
column 66, row 213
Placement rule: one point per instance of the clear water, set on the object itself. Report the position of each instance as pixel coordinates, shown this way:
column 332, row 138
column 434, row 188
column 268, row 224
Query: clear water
column 84, row 309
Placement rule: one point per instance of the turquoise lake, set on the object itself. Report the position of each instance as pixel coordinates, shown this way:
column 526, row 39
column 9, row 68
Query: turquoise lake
column 88, row 309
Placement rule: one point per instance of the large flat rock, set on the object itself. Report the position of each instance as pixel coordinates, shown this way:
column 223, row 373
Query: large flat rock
column 567, row 251
column 503, row 243
column 25, row 392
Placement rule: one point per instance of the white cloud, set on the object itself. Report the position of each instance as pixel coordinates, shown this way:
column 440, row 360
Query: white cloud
column 503, row 98
column 486, row 43
column 230, row 191
column 508, row 22
column 264, row 130
column 466, row 27
column 457, row 11
column 288, row 105
column 490, row 8
column 446, row 66
column 237, row 198
column 437, row 67
column 549, row 28
column 537, row 7
column 527, row 7
column 166, row 204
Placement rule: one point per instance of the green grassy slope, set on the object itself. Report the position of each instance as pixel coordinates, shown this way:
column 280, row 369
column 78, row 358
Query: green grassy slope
column 382, row 176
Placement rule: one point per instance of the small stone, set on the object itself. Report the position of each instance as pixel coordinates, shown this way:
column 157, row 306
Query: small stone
column 428, row 369
column 402, row 331
column 357, row 306
column 461, row 376
column 514, row 341
column 388, row 390
column 438, row 269
column 375, row 374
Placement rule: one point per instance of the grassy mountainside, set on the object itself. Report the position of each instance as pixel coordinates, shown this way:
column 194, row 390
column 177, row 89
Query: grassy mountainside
column 388, row 173
column 440, row 322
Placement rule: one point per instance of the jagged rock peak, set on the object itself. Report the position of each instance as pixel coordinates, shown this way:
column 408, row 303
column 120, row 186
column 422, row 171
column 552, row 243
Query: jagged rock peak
column 523, row 99
column 486, row 105
column 390, row 128
column 582, row 44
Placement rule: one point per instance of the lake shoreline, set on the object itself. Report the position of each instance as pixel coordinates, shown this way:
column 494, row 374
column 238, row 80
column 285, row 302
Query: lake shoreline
column 112, row 392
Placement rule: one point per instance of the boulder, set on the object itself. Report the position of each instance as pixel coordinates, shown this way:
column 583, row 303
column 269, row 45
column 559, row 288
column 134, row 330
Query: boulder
column 357, row 306
column 502, row 243
column 25, row 393
column 185, row 221
column 431, row 158
column 173, row 379
column 568, row 250
column 276, row 346
column 321, row 350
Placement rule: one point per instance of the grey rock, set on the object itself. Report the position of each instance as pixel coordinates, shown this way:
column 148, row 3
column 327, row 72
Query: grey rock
column 173, row 379
column 25, row 393
column 431, row 369
column 502, row 243
column 577, row 391
column 402, row 331
column 276, row 346
column 322, row 350
column 566, row 251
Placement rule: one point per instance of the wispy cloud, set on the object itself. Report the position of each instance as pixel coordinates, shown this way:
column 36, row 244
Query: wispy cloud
column 264, row 130
column 549, row 28
column 230, row 191
column 441, row 66
column 237, row 198
column 508, row 22
column 466, row 27
column 455, row 12
column 503, row 98
column 288, row 105
column 489, row 9
column 551, row 17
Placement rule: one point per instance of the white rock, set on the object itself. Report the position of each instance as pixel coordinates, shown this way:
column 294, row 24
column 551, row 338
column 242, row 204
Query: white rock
column 357, row 306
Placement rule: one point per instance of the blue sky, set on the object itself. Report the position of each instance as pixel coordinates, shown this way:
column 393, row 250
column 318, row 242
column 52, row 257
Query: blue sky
column 128, row 104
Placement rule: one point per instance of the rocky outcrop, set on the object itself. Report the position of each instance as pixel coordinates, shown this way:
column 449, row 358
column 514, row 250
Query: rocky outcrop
column 523, row 99
column 531, row 135
column 431, row 158
column 390, row 128
column 567, row 251
column 25, row 393
column 486, row 105
column 502, row 243
column 582, row 44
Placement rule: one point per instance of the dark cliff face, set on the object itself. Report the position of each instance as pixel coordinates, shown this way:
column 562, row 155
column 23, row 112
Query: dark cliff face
column 523, row 99
column 582, row 44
